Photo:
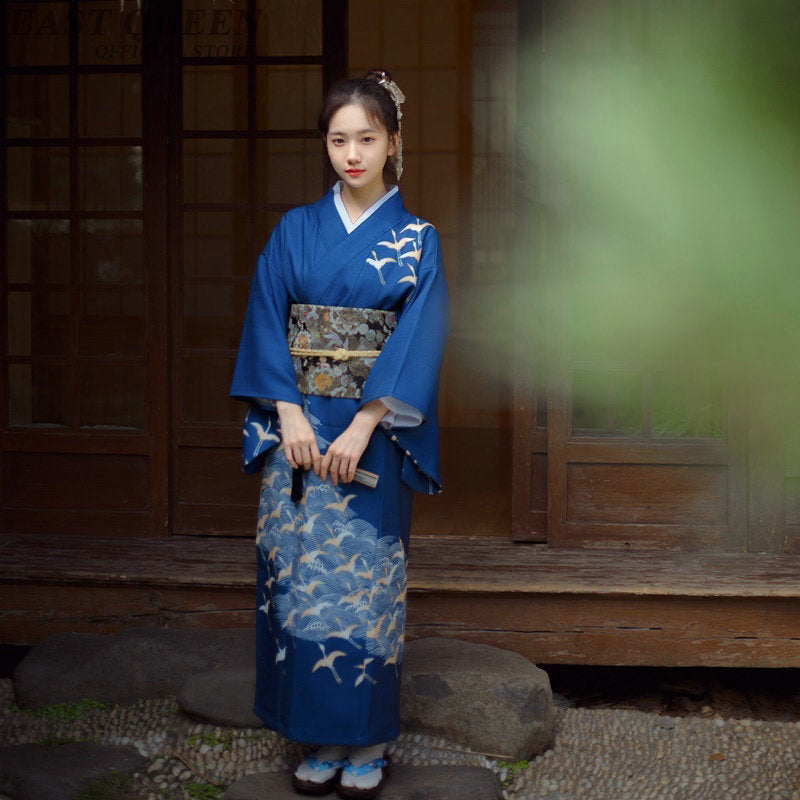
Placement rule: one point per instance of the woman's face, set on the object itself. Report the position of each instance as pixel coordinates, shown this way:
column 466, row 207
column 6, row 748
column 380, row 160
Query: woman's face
column 358, row 149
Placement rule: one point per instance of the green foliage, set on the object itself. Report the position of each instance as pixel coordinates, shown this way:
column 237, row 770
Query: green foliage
column 513, row 769
column 201, row 791
column 665, row 240
column 226, row 740
column 68, row 712
column 112, row 786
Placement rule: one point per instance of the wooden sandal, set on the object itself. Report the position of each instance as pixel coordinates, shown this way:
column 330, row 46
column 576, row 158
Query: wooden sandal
column 354, row 792
column 318, row 787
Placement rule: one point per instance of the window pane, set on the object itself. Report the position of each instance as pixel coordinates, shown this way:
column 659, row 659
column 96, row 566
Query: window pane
column 213, row 315
column 214, row 30
column 289, row 170
column 37, row 105
column 109, row 33
column 609, row 403
column 206, row 382
column 216, row 243
column 215, row 171
column 685, row 404
column 299, row 88
column 110, row 105
column 39, row 395
column 111, row 395
column 37, row 33
column 289, row 27
column 110, row 178
column 38, row 178
column 111, row 251
column 112, row 323
column 214, row 98
column 38, row 251
column 38, row 323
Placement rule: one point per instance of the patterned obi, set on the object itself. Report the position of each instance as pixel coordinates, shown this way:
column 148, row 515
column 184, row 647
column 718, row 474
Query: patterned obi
column 333, row 348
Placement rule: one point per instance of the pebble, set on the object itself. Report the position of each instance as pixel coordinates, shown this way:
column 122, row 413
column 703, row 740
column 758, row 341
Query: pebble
column 597, row 753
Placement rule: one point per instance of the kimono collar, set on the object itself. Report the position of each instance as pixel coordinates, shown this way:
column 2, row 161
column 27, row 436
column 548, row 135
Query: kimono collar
column 349, row 225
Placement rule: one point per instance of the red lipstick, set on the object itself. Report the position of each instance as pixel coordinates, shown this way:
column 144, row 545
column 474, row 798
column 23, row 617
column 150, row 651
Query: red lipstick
column 355, row 172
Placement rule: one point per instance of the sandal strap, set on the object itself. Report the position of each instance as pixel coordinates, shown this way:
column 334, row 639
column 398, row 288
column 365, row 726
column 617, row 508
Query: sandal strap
column 318, row 766
column 370, row 766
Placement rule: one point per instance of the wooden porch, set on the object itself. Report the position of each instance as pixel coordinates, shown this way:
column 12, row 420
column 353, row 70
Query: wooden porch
column 553, row 606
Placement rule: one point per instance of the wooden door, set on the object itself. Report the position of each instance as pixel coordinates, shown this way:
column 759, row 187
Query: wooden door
column 82, row 245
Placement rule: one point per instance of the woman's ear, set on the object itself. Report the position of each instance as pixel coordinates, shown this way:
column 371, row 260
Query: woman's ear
column 393, row 144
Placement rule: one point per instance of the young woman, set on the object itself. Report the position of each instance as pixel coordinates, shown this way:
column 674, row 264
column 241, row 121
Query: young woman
column 339, row 360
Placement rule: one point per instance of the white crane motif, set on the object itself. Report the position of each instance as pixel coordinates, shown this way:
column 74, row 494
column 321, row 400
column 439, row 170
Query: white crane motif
column 378, row 263
column 326, row 662
column 264, row 435
column 363, row 675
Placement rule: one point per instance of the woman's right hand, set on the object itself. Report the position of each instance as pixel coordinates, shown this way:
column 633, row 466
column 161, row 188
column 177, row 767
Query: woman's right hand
column 299, row 442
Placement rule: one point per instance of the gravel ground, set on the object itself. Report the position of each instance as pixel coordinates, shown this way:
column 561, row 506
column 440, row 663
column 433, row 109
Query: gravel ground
column 622, row 754
column 599, row 753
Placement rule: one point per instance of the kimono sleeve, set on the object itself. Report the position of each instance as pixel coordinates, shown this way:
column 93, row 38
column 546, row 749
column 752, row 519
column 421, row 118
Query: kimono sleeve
column 264, row 369
column 408, row 367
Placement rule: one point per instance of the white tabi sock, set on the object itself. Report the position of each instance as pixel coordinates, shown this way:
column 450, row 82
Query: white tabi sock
column 306, row 771
column 359, row 756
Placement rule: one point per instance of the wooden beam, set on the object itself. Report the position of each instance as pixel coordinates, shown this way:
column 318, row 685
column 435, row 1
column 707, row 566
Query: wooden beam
column 644, row 631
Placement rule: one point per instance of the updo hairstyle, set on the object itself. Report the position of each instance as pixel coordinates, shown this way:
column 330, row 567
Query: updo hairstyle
column 373, row 98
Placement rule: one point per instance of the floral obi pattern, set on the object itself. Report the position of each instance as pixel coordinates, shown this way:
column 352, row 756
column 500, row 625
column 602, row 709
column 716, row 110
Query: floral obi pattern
column 326, row 342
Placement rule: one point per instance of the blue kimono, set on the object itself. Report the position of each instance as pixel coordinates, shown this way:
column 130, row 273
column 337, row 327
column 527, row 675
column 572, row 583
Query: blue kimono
column 332, row 566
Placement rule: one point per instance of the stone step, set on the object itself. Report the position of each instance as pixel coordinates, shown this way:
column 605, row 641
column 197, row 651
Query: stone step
column 405, row 783
column 139, row 663
column 224, row 697
column 61, row 771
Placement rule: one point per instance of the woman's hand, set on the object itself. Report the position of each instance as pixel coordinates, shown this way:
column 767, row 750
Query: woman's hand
column 299, row 442
column 346, row 450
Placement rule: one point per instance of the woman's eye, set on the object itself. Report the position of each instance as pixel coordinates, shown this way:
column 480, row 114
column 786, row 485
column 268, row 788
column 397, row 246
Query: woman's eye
column 368, row 139
column 337, row 141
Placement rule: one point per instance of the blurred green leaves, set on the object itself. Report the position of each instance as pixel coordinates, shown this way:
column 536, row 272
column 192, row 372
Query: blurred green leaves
column 670, row 178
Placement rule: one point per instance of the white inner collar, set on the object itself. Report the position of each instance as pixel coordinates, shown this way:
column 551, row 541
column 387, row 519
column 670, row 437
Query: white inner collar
column 349, row 225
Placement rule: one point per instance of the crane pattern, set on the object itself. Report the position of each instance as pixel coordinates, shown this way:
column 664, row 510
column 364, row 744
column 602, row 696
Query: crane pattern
column 406, row 251
column 330, row 578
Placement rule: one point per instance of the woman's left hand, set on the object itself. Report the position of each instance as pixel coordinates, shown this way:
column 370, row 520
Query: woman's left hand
column 344, row 453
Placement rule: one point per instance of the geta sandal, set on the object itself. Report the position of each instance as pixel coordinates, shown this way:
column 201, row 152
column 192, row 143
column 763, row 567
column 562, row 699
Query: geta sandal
column 355, row 792
column 318, row 787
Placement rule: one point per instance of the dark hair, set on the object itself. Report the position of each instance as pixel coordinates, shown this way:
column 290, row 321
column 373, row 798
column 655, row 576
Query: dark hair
column 372, row 97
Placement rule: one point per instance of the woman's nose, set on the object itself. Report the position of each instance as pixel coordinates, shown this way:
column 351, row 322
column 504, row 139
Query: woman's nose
column 352, row 154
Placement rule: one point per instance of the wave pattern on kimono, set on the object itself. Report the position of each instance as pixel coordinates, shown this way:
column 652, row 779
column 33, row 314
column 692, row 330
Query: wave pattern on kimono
column 332, row 567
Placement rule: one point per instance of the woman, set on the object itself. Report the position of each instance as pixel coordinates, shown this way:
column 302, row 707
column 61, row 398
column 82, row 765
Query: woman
column 343, row 417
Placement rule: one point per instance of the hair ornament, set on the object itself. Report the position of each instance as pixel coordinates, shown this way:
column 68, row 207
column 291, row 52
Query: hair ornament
column 399, row 98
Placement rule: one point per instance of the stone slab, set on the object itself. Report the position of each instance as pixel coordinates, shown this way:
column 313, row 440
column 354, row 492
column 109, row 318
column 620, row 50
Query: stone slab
column 405, row 783
column 491, row 700
column 138, row 663
column 59, row 772
column 224, row 697
column 442, row 783
column 263, row 785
